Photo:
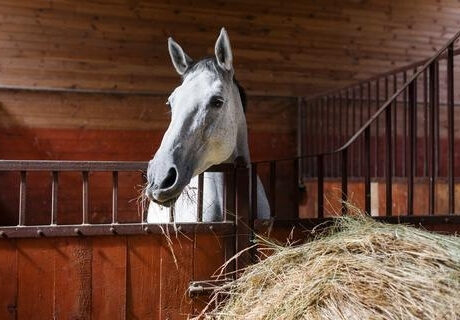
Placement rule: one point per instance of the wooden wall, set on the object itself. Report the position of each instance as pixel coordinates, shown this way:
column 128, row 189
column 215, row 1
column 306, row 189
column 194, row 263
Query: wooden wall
column 280, row 47
column 112, row 277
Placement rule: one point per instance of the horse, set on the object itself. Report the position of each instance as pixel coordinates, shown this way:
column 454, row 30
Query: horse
column 208, row 127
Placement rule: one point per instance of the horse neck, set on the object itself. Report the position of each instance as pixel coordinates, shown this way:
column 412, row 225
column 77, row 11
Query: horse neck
column 241, row 149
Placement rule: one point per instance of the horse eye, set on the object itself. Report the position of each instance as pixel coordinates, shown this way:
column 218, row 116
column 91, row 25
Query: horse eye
column 216, row 102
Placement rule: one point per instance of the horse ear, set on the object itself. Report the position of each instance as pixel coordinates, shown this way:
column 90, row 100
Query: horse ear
column 180, row 59
column 224, row 51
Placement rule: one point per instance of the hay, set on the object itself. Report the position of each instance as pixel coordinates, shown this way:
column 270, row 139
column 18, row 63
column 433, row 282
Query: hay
column 361, row 269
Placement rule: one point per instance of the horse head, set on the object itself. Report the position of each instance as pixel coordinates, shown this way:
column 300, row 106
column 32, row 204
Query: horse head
column 206, row 117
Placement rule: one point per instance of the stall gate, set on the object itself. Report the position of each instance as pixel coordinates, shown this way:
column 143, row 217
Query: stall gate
column 75, row 264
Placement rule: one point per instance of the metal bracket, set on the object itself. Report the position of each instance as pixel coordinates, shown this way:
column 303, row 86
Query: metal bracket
column 206, row 287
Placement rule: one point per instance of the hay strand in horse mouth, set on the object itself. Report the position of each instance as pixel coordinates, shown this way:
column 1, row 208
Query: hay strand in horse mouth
column 357, row 269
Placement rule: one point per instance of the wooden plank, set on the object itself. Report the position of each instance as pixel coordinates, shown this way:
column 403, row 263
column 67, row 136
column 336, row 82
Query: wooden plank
column 143, row 277
column 35, row 278
column 72, row 292
column 126, row 44
column 109, row 263
column 176, row 271
column 8, row 280
column 209, row 256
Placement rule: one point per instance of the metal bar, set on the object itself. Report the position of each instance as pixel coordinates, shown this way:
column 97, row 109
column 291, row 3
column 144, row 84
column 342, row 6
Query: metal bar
column 425, row 121
column 450, row 127
column 412, row 145
column 108, row 166
column 300, row 135
column 367, row 170
column 437, row 135
column 296, row 187
column 171, row 214
column 243, row 211
column 254, row 192
column 404, row 128
column 115, row 197
column 144, row 200
column 432, row 107
column 347, row 114
column 389, row 163
column 395, row 125
column 355, row 146
column 344, row 181
column 54, row 196
column 377, row 131
column 384, row 127
column 85, row 204
column 320, row 160
column 273, row 188
column 361, row 121
column 22, row 198
column 219, row 228
column 199, row 210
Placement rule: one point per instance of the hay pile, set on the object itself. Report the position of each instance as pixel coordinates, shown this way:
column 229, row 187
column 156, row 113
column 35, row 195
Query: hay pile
column 361, row 269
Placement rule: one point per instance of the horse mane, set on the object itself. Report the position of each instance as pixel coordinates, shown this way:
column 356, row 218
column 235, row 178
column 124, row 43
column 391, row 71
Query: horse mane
column 211, row 65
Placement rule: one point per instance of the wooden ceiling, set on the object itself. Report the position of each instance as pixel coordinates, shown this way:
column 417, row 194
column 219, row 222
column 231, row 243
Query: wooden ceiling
column 281, row 48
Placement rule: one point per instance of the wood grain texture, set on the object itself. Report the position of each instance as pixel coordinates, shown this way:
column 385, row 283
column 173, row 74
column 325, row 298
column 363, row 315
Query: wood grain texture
column 143, row 282
column 35, row 279
column 8, row 280
column 109, row 260
column 280, row 48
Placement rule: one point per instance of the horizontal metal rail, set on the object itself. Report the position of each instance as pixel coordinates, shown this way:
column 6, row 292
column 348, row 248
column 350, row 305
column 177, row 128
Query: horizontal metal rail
column 85, row 228
column 79, row 230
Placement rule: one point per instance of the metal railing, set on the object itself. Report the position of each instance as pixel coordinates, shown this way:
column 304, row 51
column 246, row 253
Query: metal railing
column 402, row 137
column 235, row 199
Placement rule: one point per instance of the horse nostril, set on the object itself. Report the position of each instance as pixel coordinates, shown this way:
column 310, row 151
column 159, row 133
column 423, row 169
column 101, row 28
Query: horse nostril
column 170, row 179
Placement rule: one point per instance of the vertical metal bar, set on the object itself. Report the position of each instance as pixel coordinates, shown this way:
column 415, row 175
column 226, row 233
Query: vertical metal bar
column 395, row 125
column 425, row 121
column 340, row 132
column 320, row 160
column 361, row 121
column 243, row 235
column 199, row 207
column 353, row 124
column 114, row 196
column 347, row 115
column 297, row 184
column 22, row 198
column 437, row 135
column 432, row 94
column 367, row 170
column 144, row 201
column 404, row 128
column 300, row 135
column 344, row 181
column 389, row 162
column 450, row 126
column 85, row 205
column 385, row 133
column 411, row 159
column 331, row 163
column 323, row 126
column 54, row 196
column 377, row 131
column 327, row 132
column 171, row 214
column 273, row 188
column 254, row 190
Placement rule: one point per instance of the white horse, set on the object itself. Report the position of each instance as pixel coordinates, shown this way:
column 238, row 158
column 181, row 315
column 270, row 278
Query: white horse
column 208, row 127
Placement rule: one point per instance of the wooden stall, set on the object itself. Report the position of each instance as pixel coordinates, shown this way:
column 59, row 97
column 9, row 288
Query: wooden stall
column 87, row 81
